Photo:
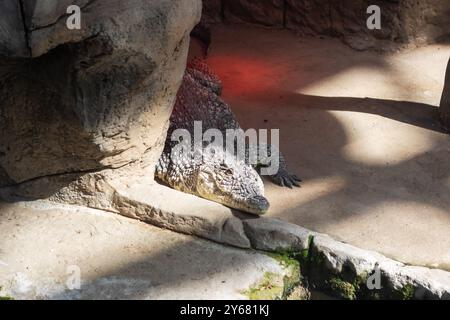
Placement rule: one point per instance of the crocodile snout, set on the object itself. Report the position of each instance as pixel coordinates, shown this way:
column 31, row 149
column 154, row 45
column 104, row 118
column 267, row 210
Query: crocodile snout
column 258, row 205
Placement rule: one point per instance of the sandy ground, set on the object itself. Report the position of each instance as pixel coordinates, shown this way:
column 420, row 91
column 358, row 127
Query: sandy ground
column 361, row 129
column 44, row 251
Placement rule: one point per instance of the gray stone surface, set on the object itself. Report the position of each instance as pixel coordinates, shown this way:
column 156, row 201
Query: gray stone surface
column 132, row 192
column 94, row 98
column 117, row 257
column 276, row 235
column 12, row 34
column 403, row 22
column 444, row 107
column 339, row 257
column 268, row 12
column 195, row 216
column 427, row 283
column 45, row 14
column 167, row 208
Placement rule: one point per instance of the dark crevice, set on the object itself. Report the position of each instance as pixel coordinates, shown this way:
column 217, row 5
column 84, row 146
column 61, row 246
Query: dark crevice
column 222, row 10
column 25, row 27
column 81, row 172
column 67, row 173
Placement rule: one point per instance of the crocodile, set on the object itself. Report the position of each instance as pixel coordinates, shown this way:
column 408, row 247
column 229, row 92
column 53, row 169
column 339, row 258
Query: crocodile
column 231, row 181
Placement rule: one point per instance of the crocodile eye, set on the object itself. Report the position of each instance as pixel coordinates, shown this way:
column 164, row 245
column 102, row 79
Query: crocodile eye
column 226, row 170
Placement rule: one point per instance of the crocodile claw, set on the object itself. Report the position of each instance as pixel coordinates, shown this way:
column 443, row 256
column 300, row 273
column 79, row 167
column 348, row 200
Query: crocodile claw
column 285, row 179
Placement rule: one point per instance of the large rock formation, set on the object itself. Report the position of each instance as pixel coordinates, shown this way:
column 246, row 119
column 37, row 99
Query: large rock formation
column 77, row 101
column 404, row 22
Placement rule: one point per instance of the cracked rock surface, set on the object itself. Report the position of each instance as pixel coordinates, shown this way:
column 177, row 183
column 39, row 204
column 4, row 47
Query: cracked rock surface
column 76, row 101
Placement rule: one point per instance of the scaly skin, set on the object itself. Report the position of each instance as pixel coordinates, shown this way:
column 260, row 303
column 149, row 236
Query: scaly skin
column 231, row 182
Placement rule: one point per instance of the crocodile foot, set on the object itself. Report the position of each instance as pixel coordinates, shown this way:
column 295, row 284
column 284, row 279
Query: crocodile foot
column 285, row 179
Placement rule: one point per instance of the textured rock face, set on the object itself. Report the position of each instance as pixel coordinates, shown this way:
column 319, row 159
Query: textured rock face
column 100, row 97
column 445, row 100
column 403, row 21
column 212, row 11
column 12, row 33
column 269, row 12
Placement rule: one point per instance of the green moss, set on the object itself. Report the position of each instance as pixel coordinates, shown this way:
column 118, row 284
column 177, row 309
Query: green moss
column 292, row 282
column 5, row 297
column 286, row 258
column 361, row 279
column 293, row 256
column 345, row 289
column 407, row 292
column 309, row 266
column 270, row 288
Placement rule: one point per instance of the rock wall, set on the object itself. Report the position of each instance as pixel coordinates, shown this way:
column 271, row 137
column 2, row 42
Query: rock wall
column 403, row 21
column 76, row 101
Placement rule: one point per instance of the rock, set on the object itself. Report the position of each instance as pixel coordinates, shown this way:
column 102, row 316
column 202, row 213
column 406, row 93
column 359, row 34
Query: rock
column 339, row 255
column 397, row 279
column 118, row 258
column 275, row 235
column 404, row 22
column 212, row 11
column 333, row 260
column 90, row 99
column 339, row 18
column 424, row 283
column 444, row 108
column 140, row 198
column 299, row 293
column 268, row 13
column 132, row 192
column 12, row 34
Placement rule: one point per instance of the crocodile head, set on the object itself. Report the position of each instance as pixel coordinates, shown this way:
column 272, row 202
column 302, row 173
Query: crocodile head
column 233, row 184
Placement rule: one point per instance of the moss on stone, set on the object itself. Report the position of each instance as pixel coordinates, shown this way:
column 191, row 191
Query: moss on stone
column 292, row 281
column 5, row 297
column 299, row 293
column 293, row 288
column 270, row 288
column 287, row 258
column 310, row 266
column 343, row 288
column 407, row 292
